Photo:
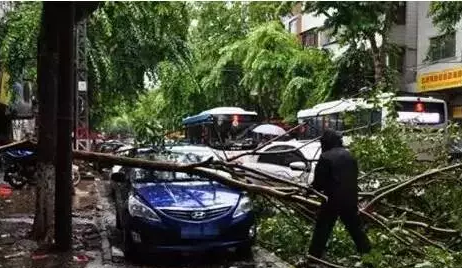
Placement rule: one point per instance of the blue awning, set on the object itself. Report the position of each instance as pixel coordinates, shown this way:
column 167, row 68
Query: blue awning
column 198, row 119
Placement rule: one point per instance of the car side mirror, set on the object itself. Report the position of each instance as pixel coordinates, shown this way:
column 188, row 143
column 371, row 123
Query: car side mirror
column 118, row 177
column 299, row 166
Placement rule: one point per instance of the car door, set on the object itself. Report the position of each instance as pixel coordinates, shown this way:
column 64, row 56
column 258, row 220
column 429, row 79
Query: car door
column 282, row 160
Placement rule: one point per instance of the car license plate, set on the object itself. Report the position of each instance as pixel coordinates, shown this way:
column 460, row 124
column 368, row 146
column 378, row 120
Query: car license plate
column 191, row 231
column 210, row 230
column 198, row 231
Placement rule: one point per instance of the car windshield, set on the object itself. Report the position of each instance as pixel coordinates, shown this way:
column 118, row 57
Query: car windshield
column 144, row 175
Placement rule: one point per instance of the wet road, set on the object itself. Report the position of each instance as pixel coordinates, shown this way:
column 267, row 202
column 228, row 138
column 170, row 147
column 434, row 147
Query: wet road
column 16, row 218
column 93, row 211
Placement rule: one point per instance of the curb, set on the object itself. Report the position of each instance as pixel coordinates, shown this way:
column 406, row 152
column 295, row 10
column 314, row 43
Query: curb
column 105, row 245
column 271, row 258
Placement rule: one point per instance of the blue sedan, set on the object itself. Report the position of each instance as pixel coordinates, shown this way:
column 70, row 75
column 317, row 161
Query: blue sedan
column 172, row 211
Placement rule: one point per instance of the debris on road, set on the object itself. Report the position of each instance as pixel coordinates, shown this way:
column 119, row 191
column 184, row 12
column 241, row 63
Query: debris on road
column 39, row 256
column 81, row 258
column 15, row 255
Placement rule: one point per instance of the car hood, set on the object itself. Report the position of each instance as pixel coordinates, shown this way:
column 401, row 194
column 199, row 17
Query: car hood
column 191, row 194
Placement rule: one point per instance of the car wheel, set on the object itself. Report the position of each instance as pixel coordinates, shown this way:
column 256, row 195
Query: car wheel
column 129, row 250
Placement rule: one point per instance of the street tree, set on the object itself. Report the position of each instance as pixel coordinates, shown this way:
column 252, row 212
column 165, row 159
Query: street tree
column 446, row 14
column 274, row 70
column 361, row 22
column 126, row 41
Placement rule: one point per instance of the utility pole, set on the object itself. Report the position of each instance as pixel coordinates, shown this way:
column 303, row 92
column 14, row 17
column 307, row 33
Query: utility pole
column 81, row 129
column 63, row 192
column 47, row 77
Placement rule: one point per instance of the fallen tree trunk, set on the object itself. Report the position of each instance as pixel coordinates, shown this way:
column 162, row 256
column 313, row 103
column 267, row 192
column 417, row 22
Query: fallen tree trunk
column 295, row 197
column 197, row 169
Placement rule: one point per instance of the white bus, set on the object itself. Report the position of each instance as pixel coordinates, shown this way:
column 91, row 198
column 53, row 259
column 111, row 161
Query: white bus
column 342, row 115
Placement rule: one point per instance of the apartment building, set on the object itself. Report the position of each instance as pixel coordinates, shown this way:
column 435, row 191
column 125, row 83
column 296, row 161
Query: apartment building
column 430, row 63
column 439, row 62
column 404, row 33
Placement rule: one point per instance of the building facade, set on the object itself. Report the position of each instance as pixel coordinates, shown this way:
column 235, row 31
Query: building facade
column 404, row 34
column 439, row 62
column 430, row 63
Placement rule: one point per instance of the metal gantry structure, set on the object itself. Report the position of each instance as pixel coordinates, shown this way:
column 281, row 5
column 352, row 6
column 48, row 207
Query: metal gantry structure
column 81, row 129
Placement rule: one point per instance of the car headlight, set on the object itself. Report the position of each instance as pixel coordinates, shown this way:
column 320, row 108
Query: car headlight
column 244, row 206
column 137, row 209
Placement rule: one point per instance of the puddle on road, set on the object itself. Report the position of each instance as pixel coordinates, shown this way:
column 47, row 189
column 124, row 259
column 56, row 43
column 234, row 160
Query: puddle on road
column 85, row 196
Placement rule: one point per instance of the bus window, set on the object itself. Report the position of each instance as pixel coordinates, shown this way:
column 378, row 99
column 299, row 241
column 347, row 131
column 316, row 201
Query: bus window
column 367, row 120
column 420, row 113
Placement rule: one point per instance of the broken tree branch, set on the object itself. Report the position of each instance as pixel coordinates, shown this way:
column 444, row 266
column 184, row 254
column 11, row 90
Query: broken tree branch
column 409, row 182
column 23, row 144
column 425, row 226
column 276, row 179
column 326, row 263
column 429, row 241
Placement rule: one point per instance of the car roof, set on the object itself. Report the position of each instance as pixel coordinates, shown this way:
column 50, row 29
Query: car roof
column 309, row 150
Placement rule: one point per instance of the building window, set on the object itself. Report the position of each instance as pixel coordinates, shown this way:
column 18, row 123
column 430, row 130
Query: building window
column 401, row 13
column 397, row 59
column 442, row 47
column 327, row 38
column 293, row 26
column 310, row 38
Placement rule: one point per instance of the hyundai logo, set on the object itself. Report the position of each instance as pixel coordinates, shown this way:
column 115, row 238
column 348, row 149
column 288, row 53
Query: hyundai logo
column 198, row 215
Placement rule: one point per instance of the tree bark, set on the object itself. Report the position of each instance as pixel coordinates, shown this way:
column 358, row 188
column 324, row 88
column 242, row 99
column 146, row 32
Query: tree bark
column 378, row 59
column 63, row 191
column 46, row 148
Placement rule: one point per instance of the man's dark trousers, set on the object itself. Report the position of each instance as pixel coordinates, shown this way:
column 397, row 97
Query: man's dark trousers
column 325, row 223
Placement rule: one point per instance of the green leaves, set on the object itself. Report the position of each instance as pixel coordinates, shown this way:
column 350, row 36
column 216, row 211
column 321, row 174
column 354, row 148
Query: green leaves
column 127, row 41
column 274, row 66
column 446, row 14
column 19, row 32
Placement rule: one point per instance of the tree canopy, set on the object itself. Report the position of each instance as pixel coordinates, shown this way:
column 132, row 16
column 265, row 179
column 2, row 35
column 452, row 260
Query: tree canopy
column 446, row 14
column 202, row 55
column 356, row 23
column 126, row 41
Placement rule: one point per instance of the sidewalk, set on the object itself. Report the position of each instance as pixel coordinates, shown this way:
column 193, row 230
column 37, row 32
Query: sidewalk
column 16, row 218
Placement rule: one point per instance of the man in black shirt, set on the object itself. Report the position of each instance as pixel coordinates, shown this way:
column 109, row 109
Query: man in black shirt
column 336, row 174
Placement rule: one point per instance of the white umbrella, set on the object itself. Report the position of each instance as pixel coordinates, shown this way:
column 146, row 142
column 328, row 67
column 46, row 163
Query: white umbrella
column 269, row 129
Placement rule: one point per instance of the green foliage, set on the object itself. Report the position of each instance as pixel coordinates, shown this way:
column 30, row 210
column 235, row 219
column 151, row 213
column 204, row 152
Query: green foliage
column 279, row 234
column 178, row 95
column 127, row 40
column 354, row 70
column 19, row 32
column 356, row 20
column 272, row 66
column 446, row 14
column 388, row 149
column 354, row 23
column 120, row 125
